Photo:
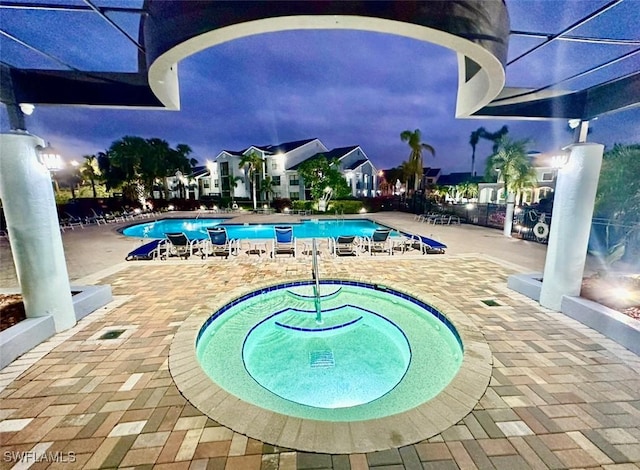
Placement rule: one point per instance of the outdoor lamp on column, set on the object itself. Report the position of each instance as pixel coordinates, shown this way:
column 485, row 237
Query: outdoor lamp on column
column 51, row 160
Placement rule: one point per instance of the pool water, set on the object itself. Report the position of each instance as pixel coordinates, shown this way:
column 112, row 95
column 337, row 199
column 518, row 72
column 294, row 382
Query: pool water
column 193, row 228
column 197, row 228
column 291, row 355
column 376, row 352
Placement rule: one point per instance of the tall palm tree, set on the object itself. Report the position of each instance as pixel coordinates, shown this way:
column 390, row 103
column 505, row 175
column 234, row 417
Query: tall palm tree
column 473, row 141
column 253, row 163
column 414, row 139
column 482, row 133
column 523, row 181
column 510, row 161
column 512, row 164
column 90, row 170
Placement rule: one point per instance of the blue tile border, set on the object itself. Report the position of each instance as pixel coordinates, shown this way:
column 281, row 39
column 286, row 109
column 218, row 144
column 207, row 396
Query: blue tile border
column 379, row 287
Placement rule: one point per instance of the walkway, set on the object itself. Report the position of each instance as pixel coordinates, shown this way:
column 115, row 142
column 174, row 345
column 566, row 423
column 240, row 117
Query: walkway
column 561, row 395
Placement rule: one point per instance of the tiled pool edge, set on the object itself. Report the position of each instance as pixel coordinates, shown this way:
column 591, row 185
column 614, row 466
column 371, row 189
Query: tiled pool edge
column 621, row 328
column 445, row 410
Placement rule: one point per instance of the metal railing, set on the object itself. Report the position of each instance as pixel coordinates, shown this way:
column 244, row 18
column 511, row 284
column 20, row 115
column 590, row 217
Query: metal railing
column 316, row 278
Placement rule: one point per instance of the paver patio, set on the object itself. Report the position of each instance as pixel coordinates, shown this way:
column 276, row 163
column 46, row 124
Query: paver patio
column 561, row 395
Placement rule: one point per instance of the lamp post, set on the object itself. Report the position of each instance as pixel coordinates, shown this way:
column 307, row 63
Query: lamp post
column 52, row 161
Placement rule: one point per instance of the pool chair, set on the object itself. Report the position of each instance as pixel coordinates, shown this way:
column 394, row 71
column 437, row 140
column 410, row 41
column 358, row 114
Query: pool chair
column 148, row 251
column 423, row 244
column 284, row 242
column 219, row 243
column 345, row 245
column 178, row 244
column 379, row 242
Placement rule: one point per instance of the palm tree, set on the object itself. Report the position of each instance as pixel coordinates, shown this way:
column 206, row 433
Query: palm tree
column 522, row 182
column 267, row 186
column 512, row 164
column 253, row 163
column 473, row 141
column 407, row 169
column 482, row 133
column 90, row 170
column 417, row 146
column 467, row 190
column 233, row 184
column 440, row 192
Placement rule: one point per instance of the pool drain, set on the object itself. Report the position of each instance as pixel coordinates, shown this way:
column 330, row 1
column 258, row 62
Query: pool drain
column 321, row 359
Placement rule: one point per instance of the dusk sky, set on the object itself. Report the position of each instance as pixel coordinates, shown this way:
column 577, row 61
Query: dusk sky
column 343, row 87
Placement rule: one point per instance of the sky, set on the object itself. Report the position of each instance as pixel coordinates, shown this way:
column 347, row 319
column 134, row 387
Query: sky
column 344, row 87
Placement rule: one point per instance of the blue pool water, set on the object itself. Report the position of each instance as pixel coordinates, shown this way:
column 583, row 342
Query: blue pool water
column 193, row 228
column 377, row 352
column 197, row 228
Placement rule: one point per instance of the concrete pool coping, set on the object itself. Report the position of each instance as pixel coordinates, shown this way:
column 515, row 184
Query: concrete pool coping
column 452, row 404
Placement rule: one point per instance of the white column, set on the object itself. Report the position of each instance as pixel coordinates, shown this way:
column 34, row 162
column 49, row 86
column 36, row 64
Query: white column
column 34, row 230
column 569, row 235
column 508, row 217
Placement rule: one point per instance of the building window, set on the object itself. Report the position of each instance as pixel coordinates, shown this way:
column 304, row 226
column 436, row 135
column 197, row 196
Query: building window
column 205, row 183
column 224, row 168
column 294, row 196
column 215, row 183
column 547, row 176
column 293, row 180
column 276, row 180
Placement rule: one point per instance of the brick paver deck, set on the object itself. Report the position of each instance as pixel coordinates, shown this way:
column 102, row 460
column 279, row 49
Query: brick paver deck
column 561, row 395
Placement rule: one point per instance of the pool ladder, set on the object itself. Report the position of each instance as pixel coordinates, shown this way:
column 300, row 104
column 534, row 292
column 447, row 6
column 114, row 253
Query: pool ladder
column 316, row 278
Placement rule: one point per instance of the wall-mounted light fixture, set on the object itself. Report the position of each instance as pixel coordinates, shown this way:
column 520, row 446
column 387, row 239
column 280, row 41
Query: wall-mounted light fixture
column 560, row 160
column 50, row 158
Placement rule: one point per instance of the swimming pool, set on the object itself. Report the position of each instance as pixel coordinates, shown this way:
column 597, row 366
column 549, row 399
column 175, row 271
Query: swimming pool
column 197, row 228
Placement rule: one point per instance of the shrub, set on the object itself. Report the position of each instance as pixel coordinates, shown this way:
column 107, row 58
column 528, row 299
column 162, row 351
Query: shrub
column 302, row 205
column 345, row 207
column 280, row 204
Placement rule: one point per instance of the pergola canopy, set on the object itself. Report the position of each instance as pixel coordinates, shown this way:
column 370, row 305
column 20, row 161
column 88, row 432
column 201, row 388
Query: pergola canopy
column 125, row 53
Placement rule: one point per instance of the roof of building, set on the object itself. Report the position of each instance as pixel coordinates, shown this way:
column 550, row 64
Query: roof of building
column 431, row 172
column 356, row 164
column 334, row 154
column 285, row 147
column 199, row 171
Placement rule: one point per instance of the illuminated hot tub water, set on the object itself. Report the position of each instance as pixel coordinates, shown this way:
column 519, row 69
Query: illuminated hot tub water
column 376, row 353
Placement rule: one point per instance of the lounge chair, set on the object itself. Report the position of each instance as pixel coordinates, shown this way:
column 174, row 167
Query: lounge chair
column 178, row 244
column 219, row 243
column 424, row 244
column 379, row 242
column 284, row 242
column 342, row 245
column 148, row 251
